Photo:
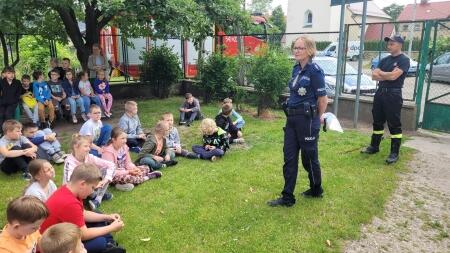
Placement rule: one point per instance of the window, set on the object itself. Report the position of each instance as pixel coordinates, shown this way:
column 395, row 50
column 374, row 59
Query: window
column 416, row 27
column 405, row 28
column 308, row 19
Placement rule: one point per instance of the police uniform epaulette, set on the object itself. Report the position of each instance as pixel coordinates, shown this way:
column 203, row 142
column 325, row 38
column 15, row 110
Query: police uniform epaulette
column 316, row 67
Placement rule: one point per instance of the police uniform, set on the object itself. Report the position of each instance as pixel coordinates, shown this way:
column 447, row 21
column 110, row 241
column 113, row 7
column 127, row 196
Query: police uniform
column 387, row 106
column 301, row 132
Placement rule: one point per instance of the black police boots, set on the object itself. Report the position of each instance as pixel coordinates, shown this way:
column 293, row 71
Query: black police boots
column 374, row 145
column 281, row 202
column 395, row 149
column 313, row 192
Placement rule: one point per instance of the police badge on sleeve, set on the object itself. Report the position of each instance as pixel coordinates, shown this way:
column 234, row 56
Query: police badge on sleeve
column 301, row 91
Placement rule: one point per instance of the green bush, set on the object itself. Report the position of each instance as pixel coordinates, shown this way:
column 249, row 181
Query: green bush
column 269, row 74
column 160, row 68
column 217, row 77
column 442, row 45
column 321, row 45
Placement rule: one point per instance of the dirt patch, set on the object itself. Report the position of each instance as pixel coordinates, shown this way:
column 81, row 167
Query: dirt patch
column 417, row 218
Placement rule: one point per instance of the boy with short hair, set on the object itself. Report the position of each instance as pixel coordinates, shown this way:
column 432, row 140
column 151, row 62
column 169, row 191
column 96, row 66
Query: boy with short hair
column 62, row 238
column 65, row 66
column 58, row 94
column 99, row 132
column 10, row 94
column 16, row 151
column 48, row 146
column 173, row 138
column 29, row 103
column 189, row 110
column 224, row 121
column 66, row 205
column 131, row 125
column 43, row 95
column 24, row 215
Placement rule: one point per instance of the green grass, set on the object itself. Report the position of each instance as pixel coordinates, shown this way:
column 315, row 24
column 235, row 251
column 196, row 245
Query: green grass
column 199, row 206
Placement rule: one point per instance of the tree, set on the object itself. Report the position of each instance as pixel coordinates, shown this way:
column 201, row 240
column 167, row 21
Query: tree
column 278, row 19
column 393, row 10
column 261, row 6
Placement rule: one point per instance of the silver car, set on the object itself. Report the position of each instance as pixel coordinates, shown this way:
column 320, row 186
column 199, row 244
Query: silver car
column 441, row 68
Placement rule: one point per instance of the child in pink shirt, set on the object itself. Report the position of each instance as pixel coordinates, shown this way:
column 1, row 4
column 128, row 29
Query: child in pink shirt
column 81, row 145
column 127, row 173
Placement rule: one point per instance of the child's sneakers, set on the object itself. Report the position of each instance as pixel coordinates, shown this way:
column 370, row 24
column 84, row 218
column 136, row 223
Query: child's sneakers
column 154, row 174
column 85, row 118
column 26, row 176
column 213, row 158
column 239, row 141
column 56, row 158
column 74, row 119
column 62, row 154
column 192, row 155
column 170, row 163
column 94, row 204
column 135, row 149
column 124, row 187
column 107, row 196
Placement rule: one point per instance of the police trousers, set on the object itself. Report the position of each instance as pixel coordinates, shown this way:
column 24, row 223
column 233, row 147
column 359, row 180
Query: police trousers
column 301, row 135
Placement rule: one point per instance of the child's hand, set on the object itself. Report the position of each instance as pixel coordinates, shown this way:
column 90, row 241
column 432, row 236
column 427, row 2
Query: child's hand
column 212, row 147
column 50, row 137
column 102, row 183
column 117, row 225
column 158, row 158
column 177, row 149
column 167, row 158
column 142, row 136
column 29, row 152
column 114, row 216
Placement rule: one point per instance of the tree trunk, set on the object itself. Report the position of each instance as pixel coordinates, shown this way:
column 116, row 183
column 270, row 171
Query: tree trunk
column 4, row 49
column 95, row 21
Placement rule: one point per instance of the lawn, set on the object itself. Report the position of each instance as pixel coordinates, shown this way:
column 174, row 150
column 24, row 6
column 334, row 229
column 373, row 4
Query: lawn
column 200, row 206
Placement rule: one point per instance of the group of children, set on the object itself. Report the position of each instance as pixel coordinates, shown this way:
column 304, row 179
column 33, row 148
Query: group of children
column 100, row 156
column 59, row 96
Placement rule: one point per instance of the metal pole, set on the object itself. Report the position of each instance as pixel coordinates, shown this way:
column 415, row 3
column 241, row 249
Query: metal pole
column 339, row 60
column 360, row 62
column 411, row 28
column 422, row 66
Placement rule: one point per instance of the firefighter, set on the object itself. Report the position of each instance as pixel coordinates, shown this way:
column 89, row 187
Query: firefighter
column 304, row 108
column 388, row 101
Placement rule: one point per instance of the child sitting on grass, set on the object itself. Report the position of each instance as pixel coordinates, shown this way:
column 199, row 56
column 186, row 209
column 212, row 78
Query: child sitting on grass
column 189, row 110
column 173, row 138
column 48, row 146
column 131, row 124
column 215, row 141
column 94, row 128
column 223, row 120
column 66, row 205
column 127, row 173
column 62, row 238
column 155, row 152
column 80, row 155
column 24, row 215
column 16, row 151
column 41, row 185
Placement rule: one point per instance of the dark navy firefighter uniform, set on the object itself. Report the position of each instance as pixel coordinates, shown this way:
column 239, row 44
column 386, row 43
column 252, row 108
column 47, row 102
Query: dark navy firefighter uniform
column 301, row 132
column 387, row 106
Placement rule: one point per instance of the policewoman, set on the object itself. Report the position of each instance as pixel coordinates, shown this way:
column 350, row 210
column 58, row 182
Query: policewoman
column 387, row 102
column 304, row 108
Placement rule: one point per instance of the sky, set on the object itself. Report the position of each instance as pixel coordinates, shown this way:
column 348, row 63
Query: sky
column 379, row 3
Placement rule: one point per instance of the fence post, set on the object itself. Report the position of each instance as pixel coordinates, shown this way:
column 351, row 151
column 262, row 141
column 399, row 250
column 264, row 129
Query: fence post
column 339, row 61
column 423, row 61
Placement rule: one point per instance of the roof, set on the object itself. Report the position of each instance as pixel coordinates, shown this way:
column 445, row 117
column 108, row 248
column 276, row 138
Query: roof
column 372, row 9
column 427, row 11
column 373, row 31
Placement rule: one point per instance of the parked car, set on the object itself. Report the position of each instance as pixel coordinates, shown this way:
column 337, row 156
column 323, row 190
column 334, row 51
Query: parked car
column 441, row 68
column 332, row 50
column 413, row 65
column 329, row 66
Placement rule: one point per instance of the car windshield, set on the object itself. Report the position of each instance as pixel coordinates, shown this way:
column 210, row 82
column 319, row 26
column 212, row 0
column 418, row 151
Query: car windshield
column 329, row 67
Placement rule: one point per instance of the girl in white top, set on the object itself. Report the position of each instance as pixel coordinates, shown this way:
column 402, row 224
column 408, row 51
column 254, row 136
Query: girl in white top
column 41, row 185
